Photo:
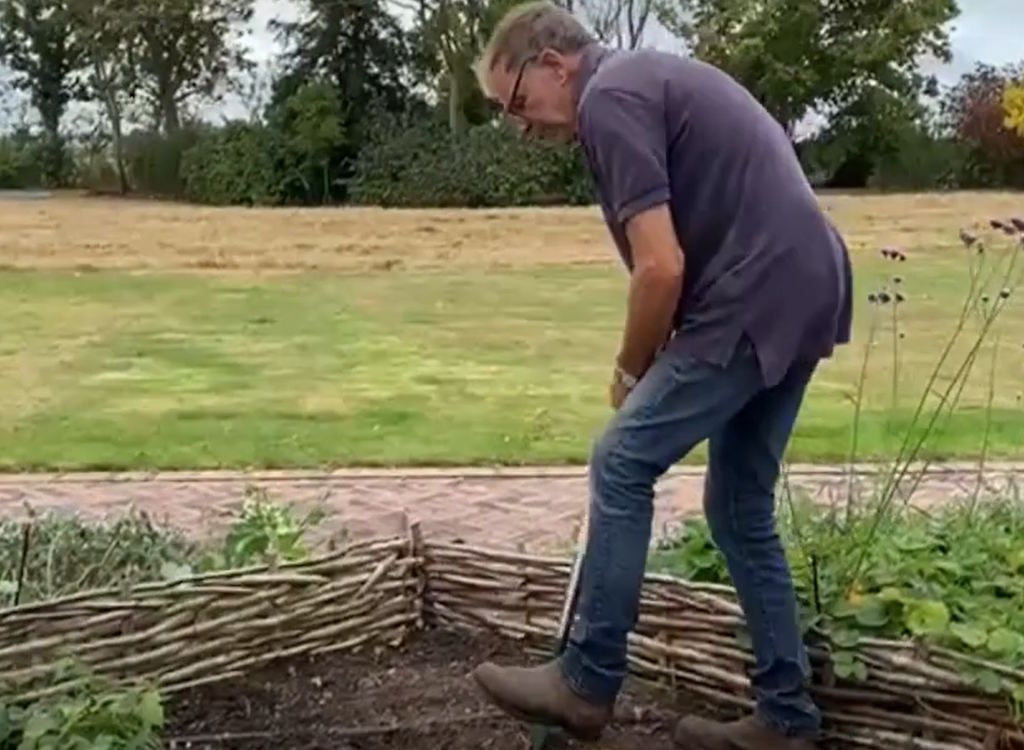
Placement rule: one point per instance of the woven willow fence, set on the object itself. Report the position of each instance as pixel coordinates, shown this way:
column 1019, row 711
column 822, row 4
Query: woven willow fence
column 209, row 628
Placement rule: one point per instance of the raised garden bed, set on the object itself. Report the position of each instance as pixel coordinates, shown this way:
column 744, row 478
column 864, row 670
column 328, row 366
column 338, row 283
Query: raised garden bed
column 190, row 637
column 413, row 696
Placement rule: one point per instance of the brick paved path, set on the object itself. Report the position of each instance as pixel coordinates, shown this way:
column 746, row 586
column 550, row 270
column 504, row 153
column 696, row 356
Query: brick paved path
column 539, row 508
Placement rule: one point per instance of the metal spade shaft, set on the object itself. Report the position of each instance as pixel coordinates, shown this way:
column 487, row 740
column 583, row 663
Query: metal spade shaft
column 541, row 733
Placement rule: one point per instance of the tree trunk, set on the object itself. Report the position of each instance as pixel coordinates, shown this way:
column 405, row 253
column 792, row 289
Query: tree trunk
column 114, row 113
column 454, row 101
column 51, row 110
column 169, row 109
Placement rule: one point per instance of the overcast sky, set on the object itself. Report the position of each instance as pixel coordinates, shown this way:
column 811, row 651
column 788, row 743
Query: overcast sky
column 987, row 30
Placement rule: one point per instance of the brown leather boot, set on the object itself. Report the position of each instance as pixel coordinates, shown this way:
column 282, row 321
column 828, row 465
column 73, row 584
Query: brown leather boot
column 695, row 733
column 541, row 695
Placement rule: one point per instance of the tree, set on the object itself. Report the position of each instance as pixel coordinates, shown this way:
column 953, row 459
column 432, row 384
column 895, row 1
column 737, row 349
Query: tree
column 357, row 48
column 797, row 55
column 310, row 127
column 975, row 114
column 187, row 50
column 618, row 23
column 107, row 37
column 1013, row 104
column 451, row 34
column 38, row 40
column 868, row 131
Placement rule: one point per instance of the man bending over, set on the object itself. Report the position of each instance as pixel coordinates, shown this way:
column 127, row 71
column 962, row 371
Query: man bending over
column 739, row 285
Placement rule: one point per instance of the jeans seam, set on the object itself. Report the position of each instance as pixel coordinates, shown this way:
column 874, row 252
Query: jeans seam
column 752, row 573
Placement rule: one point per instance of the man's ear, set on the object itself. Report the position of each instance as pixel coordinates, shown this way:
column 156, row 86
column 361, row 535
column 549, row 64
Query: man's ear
column 556, row 61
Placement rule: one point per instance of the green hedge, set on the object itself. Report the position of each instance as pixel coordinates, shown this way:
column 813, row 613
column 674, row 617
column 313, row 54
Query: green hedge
column 233, row 165
column 20, row 163
column 425, row 165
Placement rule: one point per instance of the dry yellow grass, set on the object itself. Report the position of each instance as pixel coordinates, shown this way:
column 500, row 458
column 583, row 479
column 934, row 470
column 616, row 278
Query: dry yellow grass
column 72, row 231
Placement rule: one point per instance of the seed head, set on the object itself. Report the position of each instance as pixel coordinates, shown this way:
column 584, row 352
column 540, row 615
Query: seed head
column 984, row 299
column 902, row 335
column 1018, row 223
column 967, row 238
column 1004, row 294
column 1009, row 229
column 884, row 298
column 900, row 297
column 888, row 252
column 996, row 223
column 873, row 298
column 897, row 279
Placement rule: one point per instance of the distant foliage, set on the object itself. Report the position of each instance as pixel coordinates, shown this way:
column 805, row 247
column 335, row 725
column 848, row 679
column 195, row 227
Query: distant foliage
column 1013, row 104
column 977, row 116
column 154, row 161
column 19, row 163
column 487, row 165
column 233, row 165
column 310, row 131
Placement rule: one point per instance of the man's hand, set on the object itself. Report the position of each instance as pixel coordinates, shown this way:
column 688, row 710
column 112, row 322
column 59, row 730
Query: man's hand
column 655, row 285
column 618, row 394
column 617, row 391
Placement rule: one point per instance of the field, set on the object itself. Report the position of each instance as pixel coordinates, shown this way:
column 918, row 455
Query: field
column 151, row 335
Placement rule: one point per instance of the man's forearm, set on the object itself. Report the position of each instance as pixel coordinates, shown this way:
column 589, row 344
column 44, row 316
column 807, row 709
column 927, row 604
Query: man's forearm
column 653, row 297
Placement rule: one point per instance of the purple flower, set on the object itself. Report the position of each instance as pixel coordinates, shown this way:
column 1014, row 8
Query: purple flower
column 888, row 252
column 967, row 238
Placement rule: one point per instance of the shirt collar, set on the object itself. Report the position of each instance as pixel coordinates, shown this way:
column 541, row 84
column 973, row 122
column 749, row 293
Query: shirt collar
column 591, row 58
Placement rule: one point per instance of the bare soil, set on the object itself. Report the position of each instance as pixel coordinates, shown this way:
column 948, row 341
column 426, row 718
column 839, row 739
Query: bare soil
column 416, row 696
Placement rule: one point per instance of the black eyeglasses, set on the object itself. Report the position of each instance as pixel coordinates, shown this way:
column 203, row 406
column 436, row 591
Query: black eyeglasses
column 514, row 105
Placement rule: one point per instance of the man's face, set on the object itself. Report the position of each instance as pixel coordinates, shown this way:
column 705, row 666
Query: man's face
column 537, row 95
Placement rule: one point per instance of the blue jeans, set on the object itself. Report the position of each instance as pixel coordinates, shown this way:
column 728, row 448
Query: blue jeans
column 677, row 404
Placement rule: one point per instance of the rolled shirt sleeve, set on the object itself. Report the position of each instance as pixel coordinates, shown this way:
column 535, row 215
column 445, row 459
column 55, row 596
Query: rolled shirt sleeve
column 623, row 133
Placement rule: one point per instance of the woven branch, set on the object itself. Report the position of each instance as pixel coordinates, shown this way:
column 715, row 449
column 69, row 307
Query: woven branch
column 213, row 627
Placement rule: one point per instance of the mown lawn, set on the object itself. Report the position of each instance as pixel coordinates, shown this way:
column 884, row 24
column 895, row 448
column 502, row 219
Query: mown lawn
column 121, row 369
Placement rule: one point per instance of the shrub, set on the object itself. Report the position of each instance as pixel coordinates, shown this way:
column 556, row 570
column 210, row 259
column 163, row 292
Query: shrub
column 91, row 715
column 64, row 554
column 419, row 165
column 233, row 165
column 922, row 162
column 154, row 160
column 19, row 163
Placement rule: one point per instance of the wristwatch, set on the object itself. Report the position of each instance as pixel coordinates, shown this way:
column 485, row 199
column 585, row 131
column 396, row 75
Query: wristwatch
column 625, row 378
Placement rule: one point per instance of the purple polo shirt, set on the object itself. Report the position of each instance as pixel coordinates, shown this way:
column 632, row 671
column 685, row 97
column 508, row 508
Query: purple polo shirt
column 762, row 259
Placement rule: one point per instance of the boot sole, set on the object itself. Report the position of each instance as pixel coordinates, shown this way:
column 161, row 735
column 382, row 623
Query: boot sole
column 580, row 735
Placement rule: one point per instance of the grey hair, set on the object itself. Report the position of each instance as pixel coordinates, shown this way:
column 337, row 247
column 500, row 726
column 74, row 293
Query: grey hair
column 526, row 30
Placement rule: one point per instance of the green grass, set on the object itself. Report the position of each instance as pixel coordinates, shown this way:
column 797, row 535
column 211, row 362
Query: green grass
column 121, row 370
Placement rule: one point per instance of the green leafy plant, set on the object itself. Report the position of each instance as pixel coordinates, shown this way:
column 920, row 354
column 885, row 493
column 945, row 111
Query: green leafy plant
column 92, row 716
column 265, row 533
column 875, row 567
column 52, row 554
